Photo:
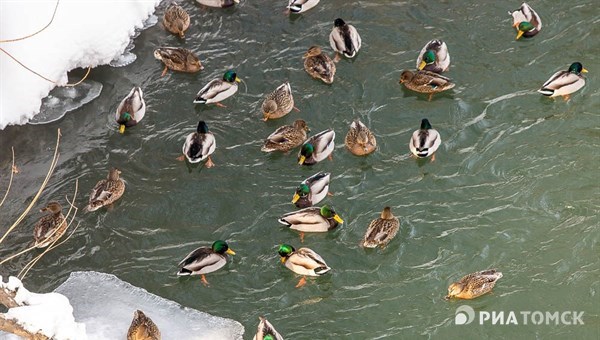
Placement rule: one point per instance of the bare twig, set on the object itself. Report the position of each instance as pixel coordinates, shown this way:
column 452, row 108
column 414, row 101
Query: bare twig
column 42, row 187
column 12, row 173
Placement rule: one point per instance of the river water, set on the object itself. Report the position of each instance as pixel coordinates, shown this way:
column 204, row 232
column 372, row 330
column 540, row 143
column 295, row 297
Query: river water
column 514, row 186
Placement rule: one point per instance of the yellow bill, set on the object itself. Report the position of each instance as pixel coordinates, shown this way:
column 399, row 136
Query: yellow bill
column 295, row 198
column 230, row 252
column 584, row 71
column 302, row 159
column 283, row 259
column 338, row 219
column 422, row 64
column 519, row 34
column 122, row 128
column 238, row 79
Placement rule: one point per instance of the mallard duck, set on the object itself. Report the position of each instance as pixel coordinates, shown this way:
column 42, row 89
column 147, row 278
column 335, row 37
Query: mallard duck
column 359, row 139
column 176, row 20
column 178, row 59
column 319, row 65
column 218, row 3
column 131, row 110
column 563, row 83
column 218, row 89
column 50, row 227
column 200, row 145
column 526, row 21
column 425, row 82
column 303, row 261
column 344, row 39
column 286, row 137
column 313, row 219
column 205, row 260
column 266, row 331
column 474, row 285
column 142, row 328
column 278, row 103
column 107, row 191
column 317, row 148
column 381, row 230
column 312, row 190
column 301, row 6
column 425, row 141
column 434, row 57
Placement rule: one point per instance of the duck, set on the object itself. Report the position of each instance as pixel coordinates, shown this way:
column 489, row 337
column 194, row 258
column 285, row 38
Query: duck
column 178, row 59
column 142, row 328
column 344, row 39
column 526, row 21
column 218, row 89
column 204, row 260
column 303, row 261
column 563, row 83
column 474, row 285
column 318, row 65
column 312, row 219
column 199, row 145
column 301, row 6
column 266, row 331
column 434, row 57
column 381, row 230
column 50, row 227
column 131, row 110
column 359, row 140
column 312, row 190
column 218, row 3
column 425, row 141
column 317, row 148
column 286, row 137
column 176, row 20
column 425, row 82
column 278, row 103
column 106, row 191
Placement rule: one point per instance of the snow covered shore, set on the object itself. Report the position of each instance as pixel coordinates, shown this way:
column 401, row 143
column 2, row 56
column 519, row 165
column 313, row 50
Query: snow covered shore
column 84, row 33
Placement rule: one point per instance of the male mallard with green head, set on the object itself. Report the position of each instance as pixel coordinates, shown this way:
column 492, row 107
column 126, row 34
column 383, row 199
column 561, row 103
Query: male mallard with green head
column 218, row 89
column 50, row 227
column 266, row 331
column 199, row 145
column 425, row 141
column 303, row 261
column 434, row 57
column 381, row 230
column 176, row 20
column 474, row 285
column 312, row 220
column 286, row 137
column 526, row 21
column 318, row 65
column 205, row 260
column 178, row 59
column 344, row 39
column 360, row 140
column 312, row 190
column 131, row 110
column 142, row 328
column 278, row 103
column 563, row 83
column 317, row 148
column 106, row 191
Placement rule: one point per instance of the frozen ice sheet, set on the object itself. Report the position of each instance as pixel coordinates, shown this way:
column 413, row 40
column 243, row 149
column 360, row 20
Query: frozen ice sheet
column 106, row 305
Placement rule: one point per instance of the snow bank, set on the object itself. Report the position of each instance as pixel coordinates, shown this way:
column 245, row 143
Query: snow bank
column 49, row 314
column 84, row 33
column 106, row 305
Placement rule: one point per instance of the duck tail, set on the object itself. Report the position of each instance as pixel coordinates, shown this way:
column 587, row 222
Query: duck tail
column 199, row 100
column 322, row 270
column 546, row 92
column 184, row 272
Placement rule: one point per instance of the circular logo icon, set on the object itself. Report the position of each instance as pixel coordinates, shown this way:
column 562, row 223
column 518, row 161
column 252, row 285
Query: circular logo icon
column 464, row 315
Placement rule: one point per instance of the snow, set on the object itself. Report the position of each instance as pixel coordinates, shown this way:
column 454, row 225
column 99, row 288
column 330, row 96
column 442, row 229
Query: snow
column 83, row 33
column 105, row 304
column 50, row 314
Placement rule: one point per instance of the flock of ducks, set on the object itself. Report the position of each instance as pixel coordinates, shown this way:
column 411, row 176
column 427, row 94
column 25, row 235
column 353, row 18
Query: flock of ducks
column 345, row 40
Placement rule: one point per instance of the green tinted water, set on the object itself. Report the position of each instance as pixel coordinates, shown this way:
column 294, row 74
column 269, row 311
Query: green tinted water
column 515, row 184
